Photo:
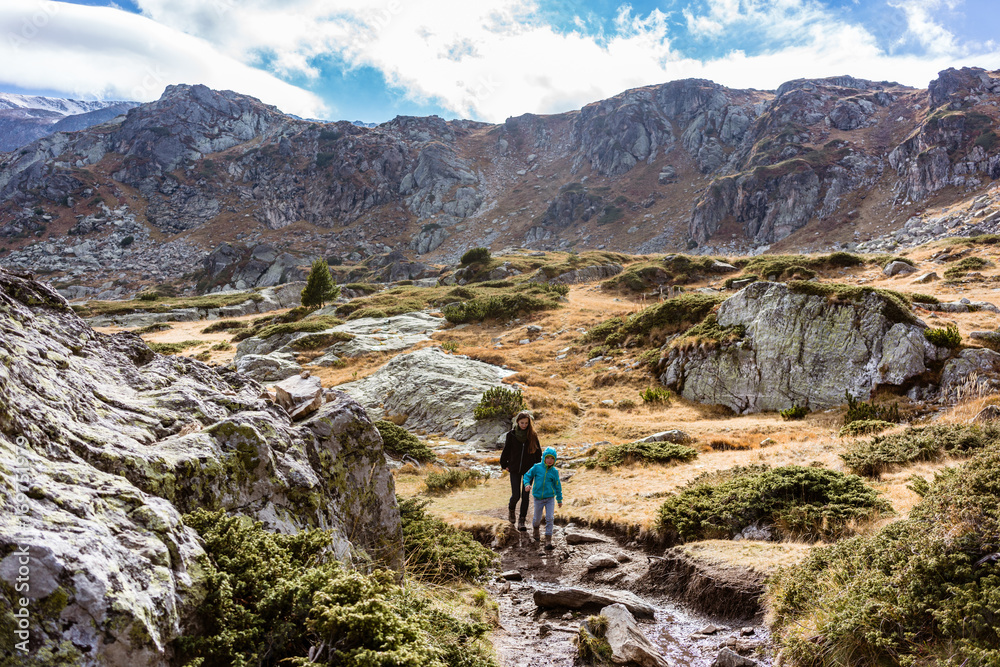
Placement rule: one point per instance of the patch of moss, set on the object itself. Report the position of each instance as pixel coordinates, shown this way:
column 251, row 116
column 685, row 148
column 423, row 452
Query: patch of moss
column 895, row 305
column 174, row 348
column 641, row 452
column 709, row 331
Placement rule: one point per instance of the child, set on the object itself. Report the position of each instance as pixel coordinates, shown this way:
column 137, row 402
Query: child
column 544, row 479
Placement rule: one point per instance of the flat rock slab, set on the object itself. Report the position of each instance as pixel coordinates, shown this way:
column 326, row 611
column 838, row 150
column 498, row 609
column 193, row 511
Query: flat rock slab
column 581, row 598
column 434, row 391
column 386, row 334
column 267, row 367
column 629, row 645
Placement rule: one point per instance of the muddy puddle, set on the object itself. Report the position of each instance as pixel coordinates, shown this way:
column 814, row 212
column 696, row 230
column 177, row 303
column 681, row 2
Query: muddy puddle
column 530, row 636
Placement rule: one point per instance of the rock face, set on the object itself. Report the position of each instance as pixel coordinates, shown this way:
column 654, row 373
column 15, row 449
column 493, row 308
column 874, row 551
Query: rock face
column 116, row 443
column 434, row 391
column 799, row 349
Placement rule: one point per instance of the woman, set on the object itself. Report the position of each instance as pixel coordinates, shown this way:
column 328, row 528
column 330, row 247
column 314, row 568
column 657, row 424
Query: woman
column 521, row 450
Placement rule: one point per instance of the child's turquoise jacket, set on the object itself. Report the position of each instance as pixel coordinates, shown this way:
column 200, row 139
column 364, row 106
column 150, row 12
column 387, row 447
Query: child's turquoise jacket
column 544, row 482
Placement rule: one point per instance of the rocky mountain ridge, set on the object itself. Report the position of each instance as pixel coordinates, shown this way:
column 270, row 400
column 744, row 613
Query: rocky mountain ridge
column 25, row 118
column 683, row 165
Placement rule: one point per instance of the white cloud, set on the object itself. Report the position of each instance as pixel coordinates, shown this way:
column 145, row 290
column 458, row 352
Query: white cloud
column 487, row 59
column 922, row 28
column 112, row 54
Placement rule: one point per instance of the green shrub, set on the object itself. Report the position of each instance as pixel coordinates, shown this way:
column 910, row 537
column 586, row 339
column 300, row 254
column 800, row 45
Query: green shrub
column 497, row 306
column 924, row 443
column 148, row 295
column 154, row 328
column 708, row 332
column 221, row 347
column 500, row 402
column 474, row 255
column 127, row 241
column 964, row 265
column 449, row 480
column 626, row 404
column 795, row 412
column 923, row 298
column 310, row 325
column 437, row 551
column 224, row 325
column 174, row 348
column 867, row 411
column 797, row 501
column 948, row 337
column 864, row 427
column 364, row 288
column 916, row 592
column 401, row 442
column 641, row 452
column 603, row 330
column 271, row 598
column 655, row 395
column 450, row 346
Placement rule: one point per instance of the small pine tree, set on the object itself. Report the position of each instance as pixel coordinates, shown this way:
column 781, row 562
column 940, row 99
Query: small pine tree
column 320, row 286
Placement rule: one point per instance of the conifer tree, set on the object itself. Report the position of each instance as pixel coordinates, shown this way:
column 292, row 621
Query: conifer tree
column 320, row 286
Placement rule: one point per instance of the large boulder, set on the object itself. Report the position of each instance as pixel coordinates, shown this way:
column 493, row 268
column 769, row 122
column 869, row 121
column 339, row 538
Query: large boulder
column 432, row 391
column 800, row 349
column 113, row 444
column 584, row 599
column 629, row 644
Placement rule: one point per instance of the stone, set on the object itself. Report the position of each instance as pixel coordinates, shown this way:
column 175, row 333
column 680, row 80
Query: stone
column 989, row 338
column 436, row 391
column 326, row 360
column 729, row 658
column 990, row 413
column 980, row 363
column 898, row 268
column 267, row 367
column 801, row 349
column 299, row 395
column 925, row 278
column 511, row 575
column 747, row 631
column 709, row 629
column 582, row 599
column 577, row 536
column 601, row 561
column 674, row 436
column 629, row 645
column 115, row 463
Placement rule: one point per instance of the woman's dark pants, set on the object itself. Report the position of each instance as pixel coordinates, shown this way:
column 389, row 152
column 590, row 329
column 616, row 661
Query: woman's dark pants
column 517, row 491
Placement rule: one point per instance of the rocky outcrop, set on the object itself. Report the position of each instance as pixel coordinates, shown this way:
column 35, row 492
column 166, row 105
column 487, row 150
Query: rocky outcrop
column 432, row 391
column 800, row 349
column 115, row 443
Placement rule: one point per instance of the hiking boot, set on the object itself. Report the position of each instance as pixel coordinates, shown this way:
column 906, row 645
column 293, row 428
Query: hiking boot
column 510, row 515
column 521, row 526
column 548, row 543
column 535, row 534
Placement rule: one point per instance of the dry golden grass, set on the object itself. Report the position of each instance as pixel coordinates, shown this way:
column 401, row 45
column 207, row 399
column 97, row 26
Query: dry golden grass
column 764, row 557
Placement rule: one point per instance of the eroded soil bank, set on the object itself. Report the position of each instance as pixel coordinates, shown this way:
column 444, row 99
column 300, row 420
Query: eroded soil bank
column 677, row 588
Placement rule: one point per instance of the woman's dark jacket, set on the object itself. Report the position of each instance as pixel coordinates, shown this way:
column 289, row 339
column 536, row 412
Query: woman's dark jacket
column 517, row 457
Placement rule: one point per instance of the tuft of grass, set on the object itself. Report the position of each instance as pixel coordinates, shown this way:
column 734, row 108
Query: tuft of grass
column 958, row 270
column 797, row 501
column 709, row 333
column 656, row 395
column 174, row 348
column 449, row 480
column 641, row 452
column 917, row 443
column 224, row 325
column 868, row 410
column 310, row 325
column 450, row 346
column 895, row 305
column 155, row 328
column 864, row 427
column 948, row 336
column 401, row 442
column 652, row 324
column 495, row 307
column 920, row 591
column 794, row 413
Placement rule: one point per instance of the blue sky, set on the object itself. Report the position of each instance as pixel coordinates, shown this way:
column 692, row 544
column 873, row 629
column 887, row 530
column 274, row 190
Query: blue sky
column 484, row 59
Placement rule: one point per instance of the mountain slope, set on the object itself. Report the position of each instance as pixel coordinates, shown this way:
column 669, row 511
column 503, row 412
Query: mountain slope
column 25, row 118
column 682, row 165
